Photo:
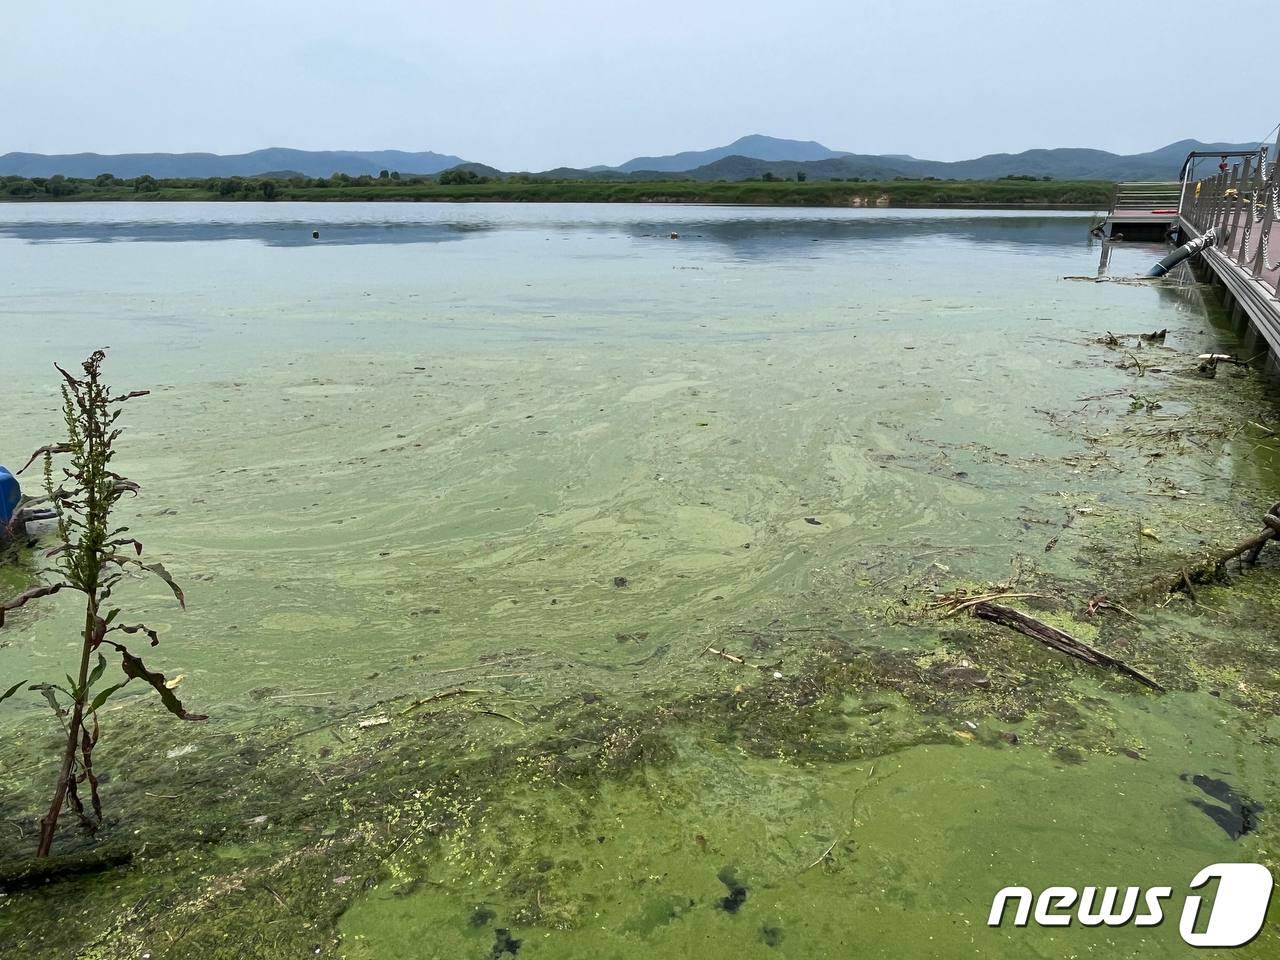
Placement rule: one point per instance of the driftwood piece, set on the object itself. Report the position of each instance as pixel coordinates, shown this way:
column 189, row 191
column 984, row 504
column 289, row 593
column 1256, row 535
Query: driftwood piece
column 741, row 661
column 1057, row 639
column 1249, row 549
column 725, row 654
column 443, row 695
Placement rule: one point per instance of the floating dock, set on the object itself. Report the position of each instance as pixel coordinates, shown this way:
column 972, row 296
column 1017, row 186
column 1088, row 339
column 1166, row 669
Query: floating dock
column 1143, row 211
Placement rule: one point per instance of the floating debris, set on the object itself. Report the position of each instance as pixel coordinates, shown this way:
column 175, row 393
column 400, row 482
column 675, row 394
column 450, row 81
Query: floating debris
column 737, row 891
column 504, row 944
column 1235, row 813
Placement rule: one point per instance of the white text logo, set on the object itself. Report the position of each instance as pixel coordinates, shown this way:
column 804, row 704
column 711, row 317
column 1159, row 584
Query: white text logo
column 1234, row 917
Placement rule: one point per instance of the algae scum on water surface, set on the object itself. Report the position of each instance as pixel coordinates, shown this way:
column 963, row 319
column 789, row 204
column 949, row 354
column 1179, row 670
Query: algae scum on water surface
column 567, row 591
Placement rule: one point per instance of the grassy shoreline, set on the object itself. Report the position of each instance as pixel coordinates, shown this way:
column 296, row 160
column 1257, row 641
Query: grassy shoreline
column 905, row 193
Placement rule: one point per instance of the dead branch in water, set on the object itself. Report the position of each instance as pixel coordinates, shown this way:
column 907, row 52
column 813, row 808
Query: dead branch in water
column 1059, row 640
column 499, row 715
column 1142, row 371
column 955, row 602
column 1250, row 550
column 1100, row 601
column 983, row 608
column 443, row 695
column 734, row 658
column 825, row 853
column 726, row 654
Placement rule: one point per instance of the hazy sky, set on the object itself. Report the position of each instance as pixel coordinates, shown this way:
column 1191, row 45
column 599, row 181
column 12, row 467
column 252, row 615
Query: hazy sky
column 535, row 85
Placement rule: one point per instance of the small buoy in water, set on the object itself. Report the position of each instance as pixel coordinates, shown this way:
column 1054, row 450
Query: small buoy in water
column 674, row 235
column 315, row 234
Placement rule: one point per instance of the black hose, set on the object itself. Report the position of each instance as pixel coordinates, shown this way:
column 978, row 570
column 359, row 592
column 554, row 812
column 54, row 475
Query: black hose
column 1183, row 252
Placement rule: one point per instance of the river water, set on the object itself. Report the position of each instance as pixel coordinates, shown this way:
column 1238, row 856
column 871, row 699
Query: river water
column 546, row 455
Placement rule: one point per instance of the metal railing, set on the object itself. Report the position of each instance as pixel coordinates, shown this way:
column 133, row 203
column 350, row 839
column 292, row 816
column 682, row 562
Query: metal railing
column 1146, row 197
column 1242, row 206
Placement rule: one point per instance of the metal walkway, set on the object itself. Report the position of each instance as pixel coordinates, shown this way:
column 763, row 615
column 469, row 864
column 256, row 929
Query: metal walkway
column 1242, row 206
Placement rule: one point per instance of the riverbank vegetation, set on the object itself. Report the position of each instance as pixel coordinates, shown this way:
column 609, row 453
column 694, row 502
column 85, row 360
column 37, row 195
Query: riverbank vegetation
column 91, row 558
column 467, row 186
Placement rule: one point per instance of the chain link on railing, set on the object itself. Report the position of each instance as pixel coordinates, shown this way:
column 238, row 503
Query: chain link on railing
column 1243, row 198
column 1266, row 213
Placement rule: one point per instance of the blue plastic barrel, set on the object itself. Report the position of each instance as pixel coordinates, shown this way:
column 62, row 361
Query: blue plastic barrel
column 10, row 495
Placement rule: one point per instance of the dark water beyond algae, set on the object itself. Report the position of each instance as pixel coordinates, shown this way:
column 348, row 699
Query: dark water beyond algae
column 459, row 520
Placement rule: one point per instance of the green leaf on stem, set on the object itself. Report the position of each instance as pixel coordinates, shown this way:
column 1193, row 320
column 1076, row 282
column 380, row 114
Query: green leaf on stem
column 97, row 671
column 103, row 696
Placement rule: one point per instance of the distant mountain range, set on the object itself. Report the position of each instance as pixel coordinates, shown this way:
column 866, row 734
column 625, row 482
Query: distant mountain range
column 309, row 163
column 755, row 146
column 748, row 157
column 756, row 155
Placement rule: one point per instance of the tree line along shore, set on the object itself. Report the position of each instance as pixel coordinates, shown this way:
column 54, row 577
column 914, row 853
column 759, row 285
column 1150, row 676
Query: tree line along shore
column 466, row 186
